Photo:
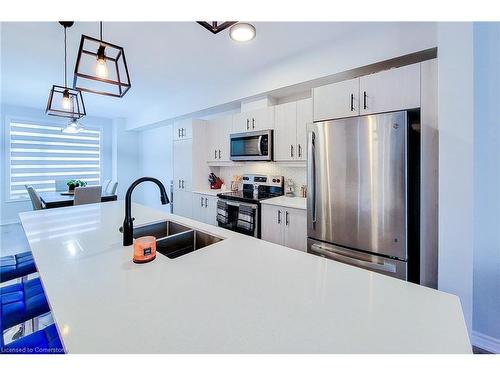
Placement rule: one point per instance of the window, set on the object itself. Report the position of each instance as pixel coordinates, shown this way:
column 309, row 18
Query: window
column 43, row 157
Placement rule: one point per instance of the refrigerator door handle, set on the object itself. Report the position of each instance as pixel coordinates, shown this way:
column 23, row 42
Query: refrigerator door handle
column 312, row 160
column 337, row 255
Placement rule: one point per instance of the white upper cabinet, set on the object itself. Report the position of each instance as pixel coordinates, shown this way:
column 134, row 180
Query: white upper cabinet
column 183, row 129
column 304, row 117
column 290, row 130
column 337, row 100
column 218, row 132
column 390, row 90
column 258, row 119
column 285, row 131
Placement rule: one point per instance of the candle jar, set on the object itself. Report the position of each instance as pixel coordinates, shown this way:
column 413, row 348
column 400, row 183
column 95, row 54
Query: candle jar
column 144, row 249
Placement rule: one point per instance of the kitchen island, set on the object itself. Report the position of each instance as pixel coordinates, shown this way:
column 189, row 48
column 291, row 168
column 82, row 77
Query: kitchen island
column 240, row 295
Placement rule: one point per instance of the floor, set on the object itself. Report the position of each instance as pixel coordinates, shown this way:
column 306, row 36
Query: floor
column 13, row 240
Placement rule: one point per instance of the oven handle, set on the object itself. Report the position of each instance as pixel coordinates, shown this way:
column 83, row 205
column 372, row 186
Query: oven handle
column 340, row 256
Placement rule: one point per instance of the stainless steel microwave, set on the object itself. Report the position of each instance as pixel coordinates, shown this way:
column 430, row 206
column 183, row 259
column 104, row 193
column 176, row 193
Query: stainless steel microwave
column 252, row 146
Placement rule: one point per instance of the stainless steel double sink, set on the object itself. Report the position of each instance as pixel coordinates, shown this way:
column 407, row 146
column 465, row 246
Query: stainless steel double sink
column 173, row 239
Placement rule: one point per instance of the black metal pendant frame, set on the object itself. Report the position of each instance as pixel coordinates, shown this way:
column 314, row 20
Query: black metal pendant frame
column 56, row 95
column 110, row 87
column 214, row 27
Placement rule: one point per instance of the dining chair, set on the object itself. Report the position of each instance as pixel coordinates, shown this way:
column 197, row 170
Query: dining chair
column 86, row 195
column 111, row 190
column 105, row 185
column 35, row 198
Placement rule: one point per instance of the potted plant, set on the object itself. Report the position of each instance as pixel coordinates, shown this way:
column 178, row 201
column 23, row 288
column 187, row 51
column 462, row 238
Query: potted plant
column 72, row 184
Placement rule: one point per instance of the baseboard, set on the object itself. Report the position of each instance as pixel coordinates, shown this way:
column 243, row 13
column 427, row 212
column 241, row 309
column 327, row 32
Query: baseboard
column 485, row 342
column 9, row 222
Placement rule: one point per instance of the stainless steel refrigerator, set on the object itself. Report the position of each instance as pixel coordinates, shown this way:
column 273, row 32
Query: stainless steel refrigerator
column 363, row 193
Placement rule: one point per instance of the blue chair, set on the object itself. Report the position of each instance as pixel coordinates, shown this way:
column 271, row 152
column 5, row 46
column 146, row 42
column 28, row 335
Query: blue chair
column 16, row 266
column 22, row 301
column 44, row 341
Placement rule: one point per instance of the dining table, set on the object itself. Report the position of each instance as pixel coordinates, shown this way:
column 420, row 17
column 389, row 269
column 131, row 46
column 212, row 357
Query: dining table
column 54, row 199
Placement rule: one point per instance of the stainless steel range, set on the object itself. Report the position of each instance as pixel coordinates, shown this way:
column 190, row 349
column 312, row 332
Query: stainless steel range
column 240, row 210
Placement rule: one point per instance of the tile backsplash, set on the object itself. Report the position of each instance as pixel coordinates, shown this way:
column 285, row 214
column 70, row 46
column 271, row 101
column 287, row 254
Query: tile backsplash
column 297, row 174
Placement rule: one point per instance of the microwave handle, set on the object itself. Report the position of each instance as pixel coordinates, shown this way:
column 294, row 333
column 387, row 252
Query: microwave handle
column 259, row 148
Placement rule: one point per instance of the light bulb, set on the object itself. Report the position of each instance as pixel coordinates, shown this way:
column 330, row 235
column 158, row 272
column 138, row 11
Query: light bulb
column 66, row 100
column 242, row 32
column 101, row 69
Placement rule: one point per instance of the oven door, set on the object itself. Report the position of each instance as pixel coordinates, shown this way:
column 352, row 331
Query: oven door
column 232, row 214
column 252, row 146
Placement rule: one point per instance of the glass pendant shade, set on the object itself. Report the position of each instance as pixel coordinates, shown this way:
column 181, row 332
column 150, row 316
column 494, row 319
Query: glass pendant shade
column 101, row 68
column 65, row 102
column 73, row 127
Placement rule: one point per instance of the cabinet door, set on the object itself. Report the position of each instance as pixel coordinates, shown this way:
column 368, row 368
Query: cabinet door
column 285, row 126
column 183, row 204
column 241, row 123
column 272, row 223
column 198, row 207
column 211, row 140
column 337, row 100
column 304, row 117
column 211, row 210
column 262, row 118
column 183, row 129
column 295, row 228
column 183, row 158
column 391, row 90
column 224, row 129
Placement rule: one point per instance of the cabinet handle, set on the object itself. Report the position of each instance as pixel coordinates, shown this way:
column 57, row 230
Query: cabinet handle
column 219, row 154
column 248, row 124
column 183, row 132
column 300, row 150
column 253, row 123
column 201, row 201
column 179, row 184
column 352, row 102
column 291, row 151
column 286, row 218
column 179, row 133
column 206, row 202
column 364, row 99
column 279, row 216
column 215, row 155
column 183, row 184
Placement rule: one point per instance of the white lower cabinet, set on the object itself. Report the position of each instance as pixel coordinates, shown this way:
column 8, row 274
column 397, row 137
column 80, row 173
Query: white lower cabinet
column 183, row 203
column 284, row 226
column 205, row 208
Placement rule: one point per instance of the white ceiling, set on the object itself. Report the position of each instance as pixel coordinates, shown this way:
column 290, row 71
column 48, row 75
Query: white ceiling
column 165, row 59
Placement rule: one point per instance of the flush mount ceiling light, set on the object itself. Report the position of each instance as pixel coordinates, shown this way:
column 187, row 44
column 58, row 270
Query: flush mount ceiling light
column 215, row 26
column 73, row 127
column 101, row 67
column 242, row 32
column 63, row 100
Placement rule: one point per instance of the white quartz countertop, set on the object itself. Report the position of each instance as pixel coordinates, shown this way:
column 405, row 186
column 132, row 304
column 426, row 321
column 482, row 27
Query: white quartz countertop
column 241, row 295
column 290, row 202
column 212, row 192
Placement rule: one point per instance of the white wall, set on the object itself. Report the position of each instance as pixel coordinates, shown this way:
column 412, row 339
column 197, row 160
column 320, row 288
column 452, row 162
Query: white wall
column 9, row 210
column 455, row 118
column 373, row 43
column 486, row 310
column 156, row 161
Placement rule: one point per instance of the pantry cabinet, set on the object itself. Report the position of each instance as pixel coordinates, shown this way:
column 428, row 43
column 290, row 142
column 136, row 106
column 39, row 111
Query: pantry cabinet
column 218, row 132
column 258, row 119
column 183, row 160
column 183, row 204
column 390, row 90
column 290, row 130
column 183, row 129
column 204, row 208
column 284, row 226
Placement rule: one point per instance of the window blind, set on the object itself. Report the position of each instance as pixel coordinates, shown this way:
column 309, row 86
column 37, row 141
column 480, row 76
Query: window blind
column 43, row 157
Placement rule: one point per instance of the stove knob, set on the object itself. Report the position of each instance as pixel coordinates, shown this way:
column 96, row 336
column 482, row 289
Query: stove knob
column 278, row 180
column 274, row 180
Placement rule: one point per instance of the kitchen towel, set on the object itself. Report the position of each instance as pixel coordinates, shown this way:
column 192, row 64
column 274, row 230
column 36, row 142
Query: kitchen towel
column 246, row 218
column 222, row 214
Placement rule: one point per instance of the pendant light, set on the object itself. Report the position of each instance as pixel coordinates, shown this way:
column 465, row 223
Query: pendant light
column 65, row 101
column 73, row 127
column 101, row 67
